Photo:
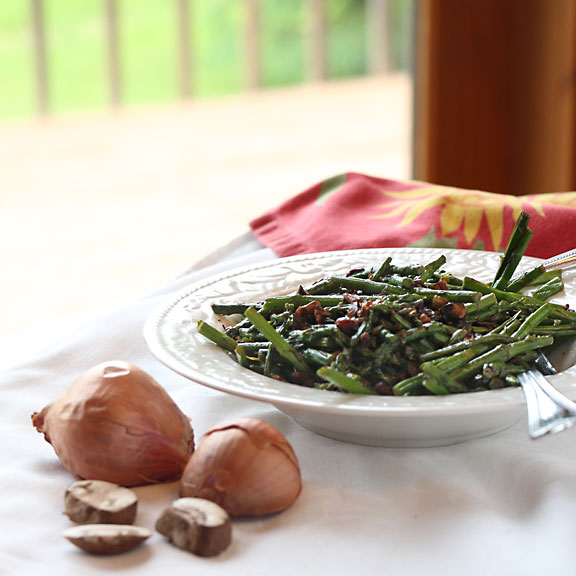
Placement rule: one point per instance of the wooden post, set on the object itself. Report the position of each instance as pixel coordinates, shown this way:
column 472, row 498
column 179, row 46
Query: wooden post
column 40, row 57
column 377, row 36
column 495, row 94
column 316, row 40
column 113, row 53
column 252, row 41
column 184, row 47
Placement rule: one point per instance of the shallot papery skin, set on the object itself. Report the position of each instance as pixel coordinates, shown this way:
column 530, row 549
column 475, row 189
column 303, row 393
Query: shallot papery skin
column 246, row 466
column 116, row 423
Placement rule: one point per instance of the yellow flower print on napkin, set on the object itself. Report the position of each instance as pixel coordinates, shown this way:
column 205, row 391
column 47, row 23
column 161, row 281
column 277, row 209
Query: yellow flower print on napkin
column 465, row 209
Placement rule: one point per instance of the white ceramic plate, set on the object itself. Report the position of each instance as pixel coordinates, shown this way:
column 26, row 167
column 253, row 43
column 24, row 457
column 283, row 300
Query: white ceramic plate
column 172, row 337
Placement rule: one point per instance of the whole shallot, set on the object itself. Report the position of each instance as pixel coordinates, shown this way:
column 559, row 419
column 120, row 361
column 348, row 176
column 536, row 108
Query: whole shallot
column 116, row 423
column 246, row 466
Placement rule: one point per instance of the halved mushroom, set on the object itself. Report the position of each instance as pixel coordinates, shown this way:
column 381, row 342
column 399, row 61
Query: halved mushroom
column 107, row 539
column 99, row 502
column 197, row 525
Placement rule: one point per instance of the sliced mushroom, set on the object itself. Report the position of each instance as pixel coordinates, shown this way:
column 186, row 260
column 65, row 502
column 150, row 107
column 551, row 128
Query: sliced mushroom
column 197, row 525
column 107, row 539
column 99, row 502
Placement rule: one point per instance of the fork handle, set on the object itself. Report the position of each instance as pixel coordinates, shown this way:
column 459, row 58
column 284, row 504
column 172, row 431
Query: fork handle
column 549, row 411
column 564, row 260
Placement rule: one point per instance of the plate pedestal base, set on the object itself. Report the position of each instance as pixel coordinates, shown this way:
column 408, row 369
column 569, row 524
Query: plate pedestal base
column 396, row 433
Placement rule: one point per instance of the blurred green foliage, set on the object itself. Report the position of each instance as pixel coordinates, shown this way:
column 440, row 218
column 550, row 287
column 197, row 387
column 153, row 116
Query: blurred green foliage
column 16, row 74
column 283, row 24
column 76, row 48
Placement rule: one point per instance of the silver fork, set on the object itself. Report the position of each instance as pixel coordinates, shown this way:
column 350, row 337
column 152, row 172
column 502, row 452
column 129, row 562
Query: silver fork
column 549, row 411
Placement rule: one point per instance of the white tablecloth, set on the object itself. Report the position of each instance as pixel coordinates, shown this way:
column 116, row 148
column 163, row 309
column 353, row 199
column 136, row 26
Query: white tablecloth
column 501, row 505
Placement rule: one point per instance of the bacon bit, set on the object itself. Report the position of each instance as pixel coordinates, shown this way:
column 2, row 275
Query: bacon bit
column 302, row 291
column 439, row 302
column 412, row 369
column 424, row 318
column 453, row 311
column 366, row 307
column 365, row 339
column 354, row 271
column 383, row 388
column 349, row 298
column 320, row 314
column 353, row 311
column 441, row 284
column 459, row 309
column 348, row 326
column 303, row 379
column 311, row 313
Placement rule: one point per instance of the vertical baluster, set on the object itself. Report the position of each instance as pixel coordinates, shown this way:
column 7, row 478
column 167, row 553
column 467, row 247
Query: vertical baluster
column 316, row 65
column 184, row 47
column 113, row 52
column 252, row 42
column 377, row 36
column 40, row 57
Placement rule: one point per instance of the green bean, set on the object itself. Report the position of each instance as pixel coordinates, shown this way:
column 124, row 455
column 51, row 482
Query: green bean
column 533, row 320
column 519, row 240
column 350, row 383
column 279, row 303
column 431, row 268
column 549, row 289
column 525, row 279
column 229, row 309
column 337, row 283
column 504, row 352
column 223, row 340
column 282, row 346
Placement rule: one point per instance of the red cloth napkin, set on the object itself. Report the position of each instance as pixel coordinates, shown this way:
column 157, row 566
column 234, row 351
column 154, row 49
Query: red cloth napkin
column 358, row 211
